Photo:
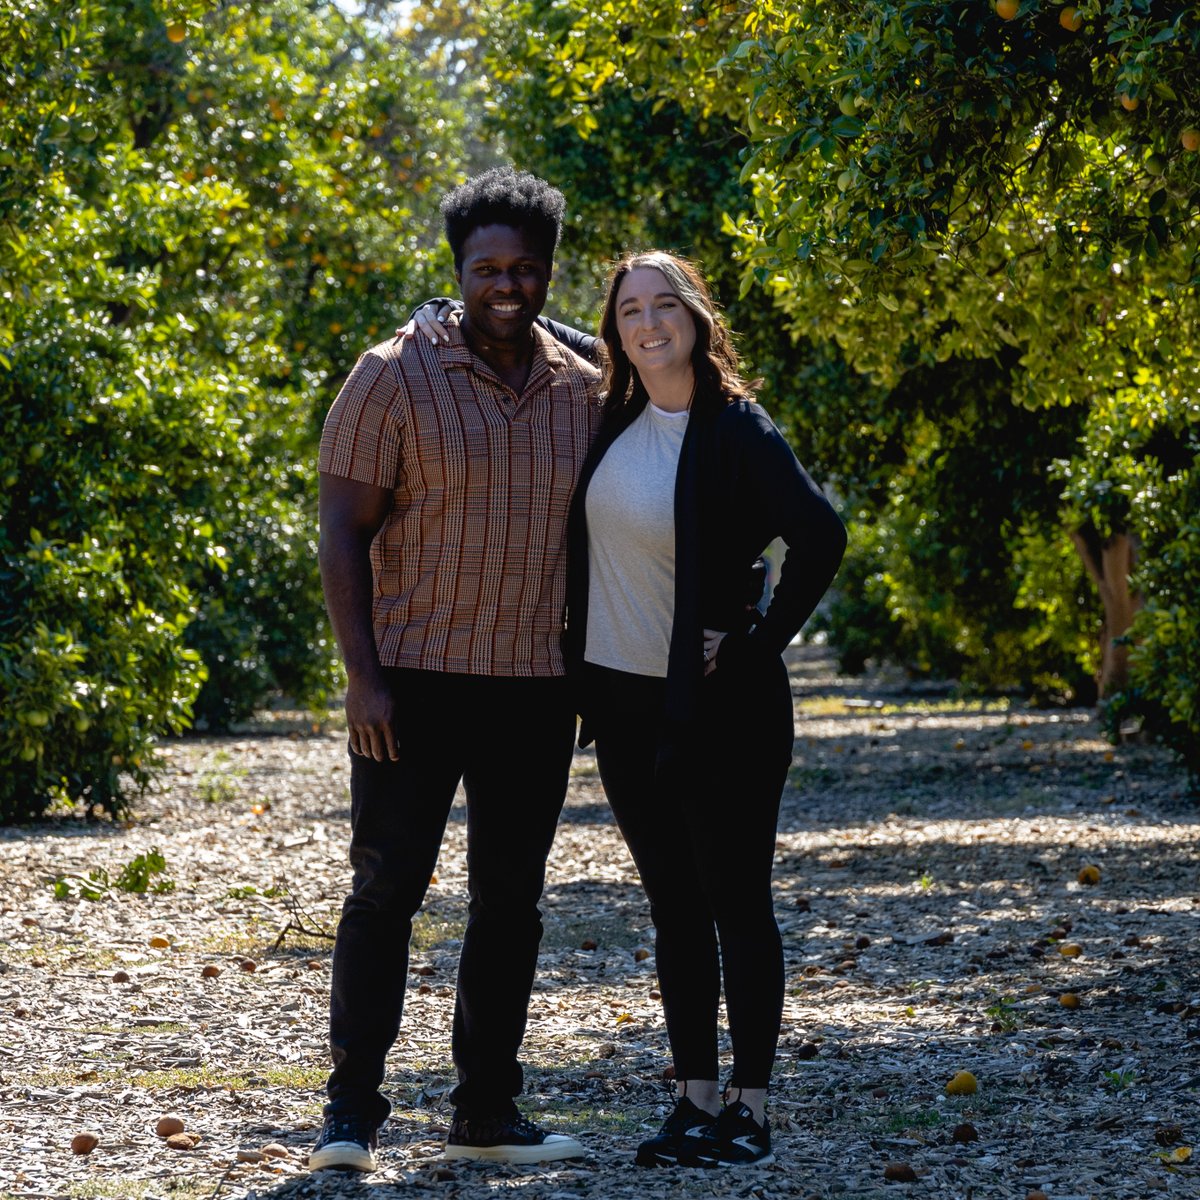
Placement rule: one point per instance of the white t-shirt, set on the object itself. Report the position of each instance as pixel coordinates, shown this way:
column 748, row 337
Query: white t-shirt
column 630, row 508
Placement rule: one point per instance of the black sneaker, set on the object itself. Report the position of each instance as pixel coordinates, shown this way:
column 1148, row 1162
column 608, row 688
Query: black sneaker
column 346, row 1141
column 686, row 1123
column 734, row 1139
column 510, row 1138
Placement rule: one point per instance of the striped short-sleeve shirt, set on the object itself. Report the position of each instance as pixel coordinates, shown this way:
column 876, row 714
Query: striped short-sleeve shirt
column 470, row 565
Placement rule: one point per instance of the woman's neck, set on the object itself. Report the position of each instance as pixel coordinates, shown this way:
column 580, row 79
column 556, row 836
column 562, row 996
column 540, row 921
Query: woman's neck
column 671, row 393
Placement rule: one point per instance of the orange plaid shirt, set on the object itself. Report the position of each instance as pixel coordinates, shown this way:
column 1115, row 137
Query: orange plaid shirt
column 470, row 565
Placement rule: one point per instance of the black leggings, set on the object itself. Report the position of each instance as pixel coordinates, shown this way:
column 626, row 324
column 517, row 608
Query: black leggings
column 699, row 813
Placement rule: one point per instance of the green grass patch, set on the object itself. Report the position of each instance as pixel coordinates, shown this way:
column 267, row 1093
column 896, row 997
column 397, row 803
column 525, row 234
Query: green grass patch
column 805, row 779
column 183, row 1187
column 912, row 1119
column 430, row 931
column 570, row 1116
column 823, row 706
column 59, row 955
column 301, row 1077
column 258, row 943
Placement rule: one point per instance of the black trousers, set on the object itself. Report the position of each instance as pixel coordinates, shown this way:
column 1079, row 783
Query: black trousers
column 698, row 809
column 510, row 742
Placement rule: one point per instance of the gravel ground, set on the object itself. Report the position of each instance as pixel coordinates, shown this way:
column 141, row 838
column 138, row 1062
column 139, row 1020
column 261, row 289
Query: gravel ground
column 936, row 913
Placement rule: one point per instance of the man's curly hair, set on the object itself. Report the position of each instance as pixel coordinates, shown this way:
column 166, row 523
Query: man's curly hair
column 503, row 196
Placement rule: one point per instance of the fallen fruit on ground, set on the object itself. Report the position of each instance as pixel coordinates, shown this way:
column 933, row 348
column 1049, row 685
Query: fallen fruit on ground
column 964, row 1133
column 168, row 1124
column 84, row 1143
column 1069, row 1000
column 1070, row 949
column 158, row 942
column 899, row 1172
column 275, row 1150
column 1089, row 875
column 963, row 1084
column 211, row 972
column 182, row 1141
column 1168, row 1135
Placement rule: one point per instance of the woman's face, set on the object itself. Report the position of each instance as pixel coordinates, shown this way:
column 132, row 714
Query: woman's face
column 657, row 330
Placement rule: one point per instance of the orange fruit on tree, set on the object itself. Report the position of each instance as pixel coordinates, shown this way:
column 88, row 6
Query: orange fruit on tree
column 176, row 32
column 1007, row 9
column 1128, row 103
column 1070, row 19
column 1189, row 139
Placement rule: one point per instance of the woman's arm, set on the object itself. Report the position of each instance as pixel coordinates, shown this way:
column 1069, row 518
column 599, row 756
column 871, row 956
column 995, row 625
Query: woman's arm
column 429, row 317
column 581, row 343
column 797, row 512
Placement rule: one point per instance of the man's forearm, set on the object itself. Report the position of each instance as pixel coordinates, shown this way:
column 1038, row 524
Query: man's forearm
column 347, row 582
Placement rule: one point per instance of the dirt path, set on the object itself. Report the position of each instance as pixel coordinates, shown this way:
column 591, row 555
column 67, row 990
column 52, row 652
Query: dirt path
column 928, row 887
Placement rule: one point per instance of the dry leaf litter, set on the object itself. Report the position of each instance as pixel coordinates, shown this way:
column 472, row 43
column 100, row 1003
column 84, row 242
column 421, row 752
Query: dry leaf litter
column 990, row 918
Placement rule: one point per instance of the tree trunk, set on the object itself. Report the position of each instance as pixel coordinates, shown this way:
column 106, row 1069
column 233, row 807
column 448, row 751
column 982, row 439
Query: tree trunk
column 1110, row 562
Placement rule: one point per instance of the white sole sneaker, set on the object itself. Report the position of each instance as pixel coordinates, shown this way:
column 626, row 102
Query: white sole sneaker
column 348, row 1155
column 556, row 1146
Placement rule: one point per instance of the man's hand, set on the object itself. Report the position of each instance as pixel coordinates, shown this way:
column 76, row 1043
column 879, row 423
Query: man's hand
column 370, row 711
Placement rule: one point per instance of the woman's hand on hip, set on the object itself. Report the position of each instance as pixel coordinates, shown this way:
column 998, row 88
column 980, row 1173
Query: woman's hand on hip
column 712, row 643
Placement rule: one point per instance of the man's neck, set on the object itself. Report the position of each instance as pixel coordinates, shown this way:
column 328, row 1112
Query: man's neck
column 510, row 360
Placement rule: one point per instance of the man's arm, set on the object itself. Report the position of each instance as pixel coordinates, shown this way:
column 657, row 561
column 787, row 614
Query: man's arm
column 351, row 514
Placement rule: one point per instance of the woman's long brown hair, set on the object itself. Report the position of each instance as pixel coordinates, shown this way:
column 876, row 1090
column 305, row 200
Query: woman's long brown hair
column 714, row 359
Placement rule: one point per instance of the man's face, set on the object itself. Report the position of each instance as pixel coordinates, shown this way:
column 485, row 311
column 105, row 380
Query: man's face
column 504, row 279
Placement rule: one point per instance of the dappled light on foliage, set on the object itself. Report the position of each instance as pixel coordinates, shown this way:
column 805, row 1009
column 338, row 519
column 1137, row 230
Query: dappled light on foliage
column 944, row 190
column 205, row 223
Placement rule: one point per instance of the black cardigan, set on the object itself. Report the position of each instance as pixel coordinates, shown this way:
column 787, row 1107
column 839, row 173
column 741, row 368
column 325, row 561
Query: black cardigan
column 738, row 487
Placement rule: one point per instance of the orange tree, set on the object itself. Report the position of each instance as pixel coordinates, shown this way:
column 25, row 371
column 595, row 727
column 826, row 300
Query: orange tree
column 931, row 582
column 934, row 181
column 206, row 211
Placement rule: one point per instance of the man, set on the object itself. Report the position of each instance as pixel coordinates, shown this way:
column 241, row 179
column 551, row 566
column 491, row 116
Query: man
column 446, row 473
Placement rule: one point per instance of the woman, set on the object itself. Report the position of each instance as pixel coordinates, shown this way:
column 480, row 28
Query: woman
column 688, row 701
column 682, row 687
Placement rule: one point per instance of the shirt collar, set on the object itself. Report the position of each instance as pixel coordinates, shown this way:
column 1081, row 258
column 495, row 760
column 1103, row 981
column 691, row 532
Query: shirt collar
column 548, row 356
